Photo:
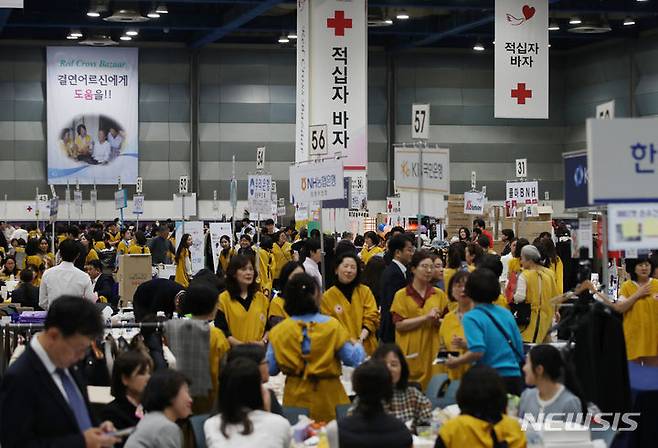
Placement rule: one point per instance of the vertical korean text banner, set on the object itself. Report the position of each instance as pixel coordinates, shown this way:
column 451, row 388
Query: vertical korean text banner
column 332, row 72
column 92, row 96
column 521, row 59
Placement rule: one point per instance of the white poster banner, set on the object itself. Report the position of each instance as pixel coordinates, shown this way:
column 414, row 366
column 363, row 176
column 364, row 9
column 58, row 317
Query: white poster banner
column 120, row 199
column 584, row 238
column 521, row 59
column 606, row 111
column 43, row 205
column 431, row 204
column 633, row 226
column 259, row 194
column 520, row 194
column 316, row 181
column 217, row 231
column 195, row 229
column 77, row 198
column 184, row 202
column 622, row 160
column 358, row 190
column 332, row 77
column 138, row 204
column 474, row 202
column 433, row 169
column 92, row 104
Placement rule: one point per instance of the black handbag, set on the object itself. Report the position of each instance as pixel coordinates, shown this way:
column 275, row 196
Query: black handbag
column 521, row 312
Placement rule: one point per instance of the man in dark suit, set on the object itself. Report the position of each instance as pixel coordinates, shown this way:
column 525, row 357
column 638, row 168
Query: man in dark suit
column 26, row 294
column 388, row 256
column 103, row 283
column 393, row 279
column 74, row 234
column 42, row 400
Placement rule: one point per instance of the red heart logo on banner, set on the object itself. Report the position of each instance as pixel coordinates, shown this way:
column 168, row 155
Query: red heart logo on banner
column 528, row 12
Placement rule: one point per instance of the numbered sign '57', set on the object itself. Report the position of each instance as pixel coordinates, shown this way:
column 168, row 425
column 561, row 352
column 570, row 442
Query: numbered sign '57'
column 420, row 121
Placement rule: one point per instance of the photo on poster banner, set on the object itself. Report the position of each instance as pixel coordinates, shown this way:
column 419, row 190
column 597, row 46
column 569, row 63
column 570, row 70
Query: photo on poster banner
column 633, row 226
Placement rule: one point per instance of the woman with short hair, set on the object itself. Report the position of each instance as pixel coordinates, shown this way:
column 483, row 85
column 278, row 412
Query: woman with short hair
column 370, row 246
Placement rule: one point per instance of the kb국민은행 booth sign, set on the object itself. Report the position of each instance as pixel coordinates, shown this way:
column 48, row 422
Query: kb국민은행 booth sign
column 332, row 78
column 521, row 59
column 92, row 104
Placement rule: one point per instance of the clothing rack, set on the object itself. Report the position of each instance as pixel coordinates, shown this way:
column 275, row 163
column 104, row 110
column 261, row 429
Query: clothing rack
column 10, row 329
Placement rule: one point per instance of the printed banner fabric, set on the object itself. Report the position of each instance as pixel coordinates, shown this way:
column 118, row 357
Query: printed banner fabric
column 92, row 103
column 521, row 59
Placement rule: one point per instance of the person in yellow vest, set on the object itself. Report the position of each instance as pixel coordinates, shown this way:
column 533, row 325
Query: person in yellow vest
column 226, row 252
column 91, row 252
column 126, row 241
column 536, row 288
column 514, row 269
column 277, row 311
column 308, row 347
column 370, row 246
column 183, row 261
column 451, row 333
column 482, row 422
column 638, row 303
column 551, row 261
column 242, row 308
column 473, row 253
column 456, row 262
column 34, row 261
column 282, row 251
column 416, row 311
column 138, row 247
column 97, row 240
column 44, row 252
column 352, row 303
column 265, row 266
column 9, row 269
column 33, row 233
column 113, row 235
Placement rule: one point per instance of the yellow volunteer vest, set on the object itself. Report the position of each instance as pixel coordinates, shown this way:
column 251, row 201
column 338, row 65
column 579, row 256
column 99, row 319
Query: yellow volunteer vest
column 468, row 431
column 282, row 255
column 641, row 321
column 450, row 327
column 366, row 254
column 181, row 274
column 245, row 325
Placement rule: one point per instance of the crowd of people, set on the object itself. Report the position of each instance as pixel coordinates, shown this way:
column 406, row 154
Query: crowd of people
column 398, row 309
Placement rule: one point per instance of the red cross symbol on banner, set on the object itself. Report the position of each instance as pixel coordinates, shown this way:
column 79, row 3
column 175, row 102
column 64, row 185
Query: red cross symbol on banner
column 29, row 209
column 520, row 93
column 339, row 23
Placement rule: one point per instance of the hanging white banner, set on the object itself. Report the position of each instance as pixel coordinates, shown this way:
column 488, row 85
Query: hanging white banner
column 633, row 226
column 195, row 229
column 259, row 194
column 332, row 77
column 217, row 231
column 433, row 169
column 138, row 204
column 92, row 103
column 521, row 59
column 519, row 195
column 316, row 181
column 474, row 202
column 358, row 190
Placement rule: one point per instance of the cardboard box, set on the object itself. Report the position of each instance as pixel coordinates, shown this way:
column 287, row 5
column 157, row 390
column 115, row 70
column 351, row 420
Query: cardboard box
column 456, row 197
column 531, row 229
column 133, row 271
column 460, row 220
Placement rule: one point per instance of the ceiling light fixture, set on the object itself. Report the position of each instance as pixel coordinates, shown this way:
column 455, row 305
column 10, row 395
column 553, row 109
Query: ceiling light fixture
column 93, row 13
column 402, row 15
column 126, row 38
column 283, row 39
column 388, row 21
column 72, row 37
column 153, row 14
column 132, row 32
column 75, row 33
column 553, row 26
column 629, row 21
column 478, row 46
column 292, row 35
column 575, row 20
column 162, row 9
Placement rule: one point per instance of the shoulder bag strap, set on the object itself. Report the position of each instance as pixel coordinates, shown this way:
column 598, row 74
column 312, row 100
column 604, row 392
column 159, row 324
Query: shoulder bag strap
column 534, row 336
column 502, row 331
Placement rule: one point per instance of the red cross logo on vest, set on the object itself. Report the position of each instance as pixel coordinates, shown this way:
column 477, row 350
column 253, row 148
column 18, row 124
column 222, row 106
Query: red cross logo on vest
column 339, row 23
column 521, row 94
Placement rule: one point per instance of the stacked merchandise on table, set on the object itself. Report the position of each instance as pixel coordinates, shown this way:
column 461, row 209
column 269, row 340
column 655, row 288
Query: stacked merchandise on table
column 456, row 216
column 32, row 317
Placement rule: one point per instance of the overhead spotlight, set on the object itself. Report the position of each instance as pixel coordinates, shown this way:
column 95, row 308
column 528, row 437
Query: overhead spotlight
column 132, row 32
column 549, row 45
column 553, row 26
column 153, row 14
column 75, row 33
column 162, row 9
column 575, row 20
column 478, row 46
column 72, row 37
column 283, row 39
column 641, row 1
column 629, row 21
column 388, row 21
column 292, row 35
column 402, row 15
column 126, row 38
column 93, row 13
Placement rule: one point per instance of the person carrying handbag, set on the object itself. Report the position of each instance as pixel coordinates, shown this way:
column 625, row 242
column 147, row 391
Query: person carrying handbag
column 492, row 337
